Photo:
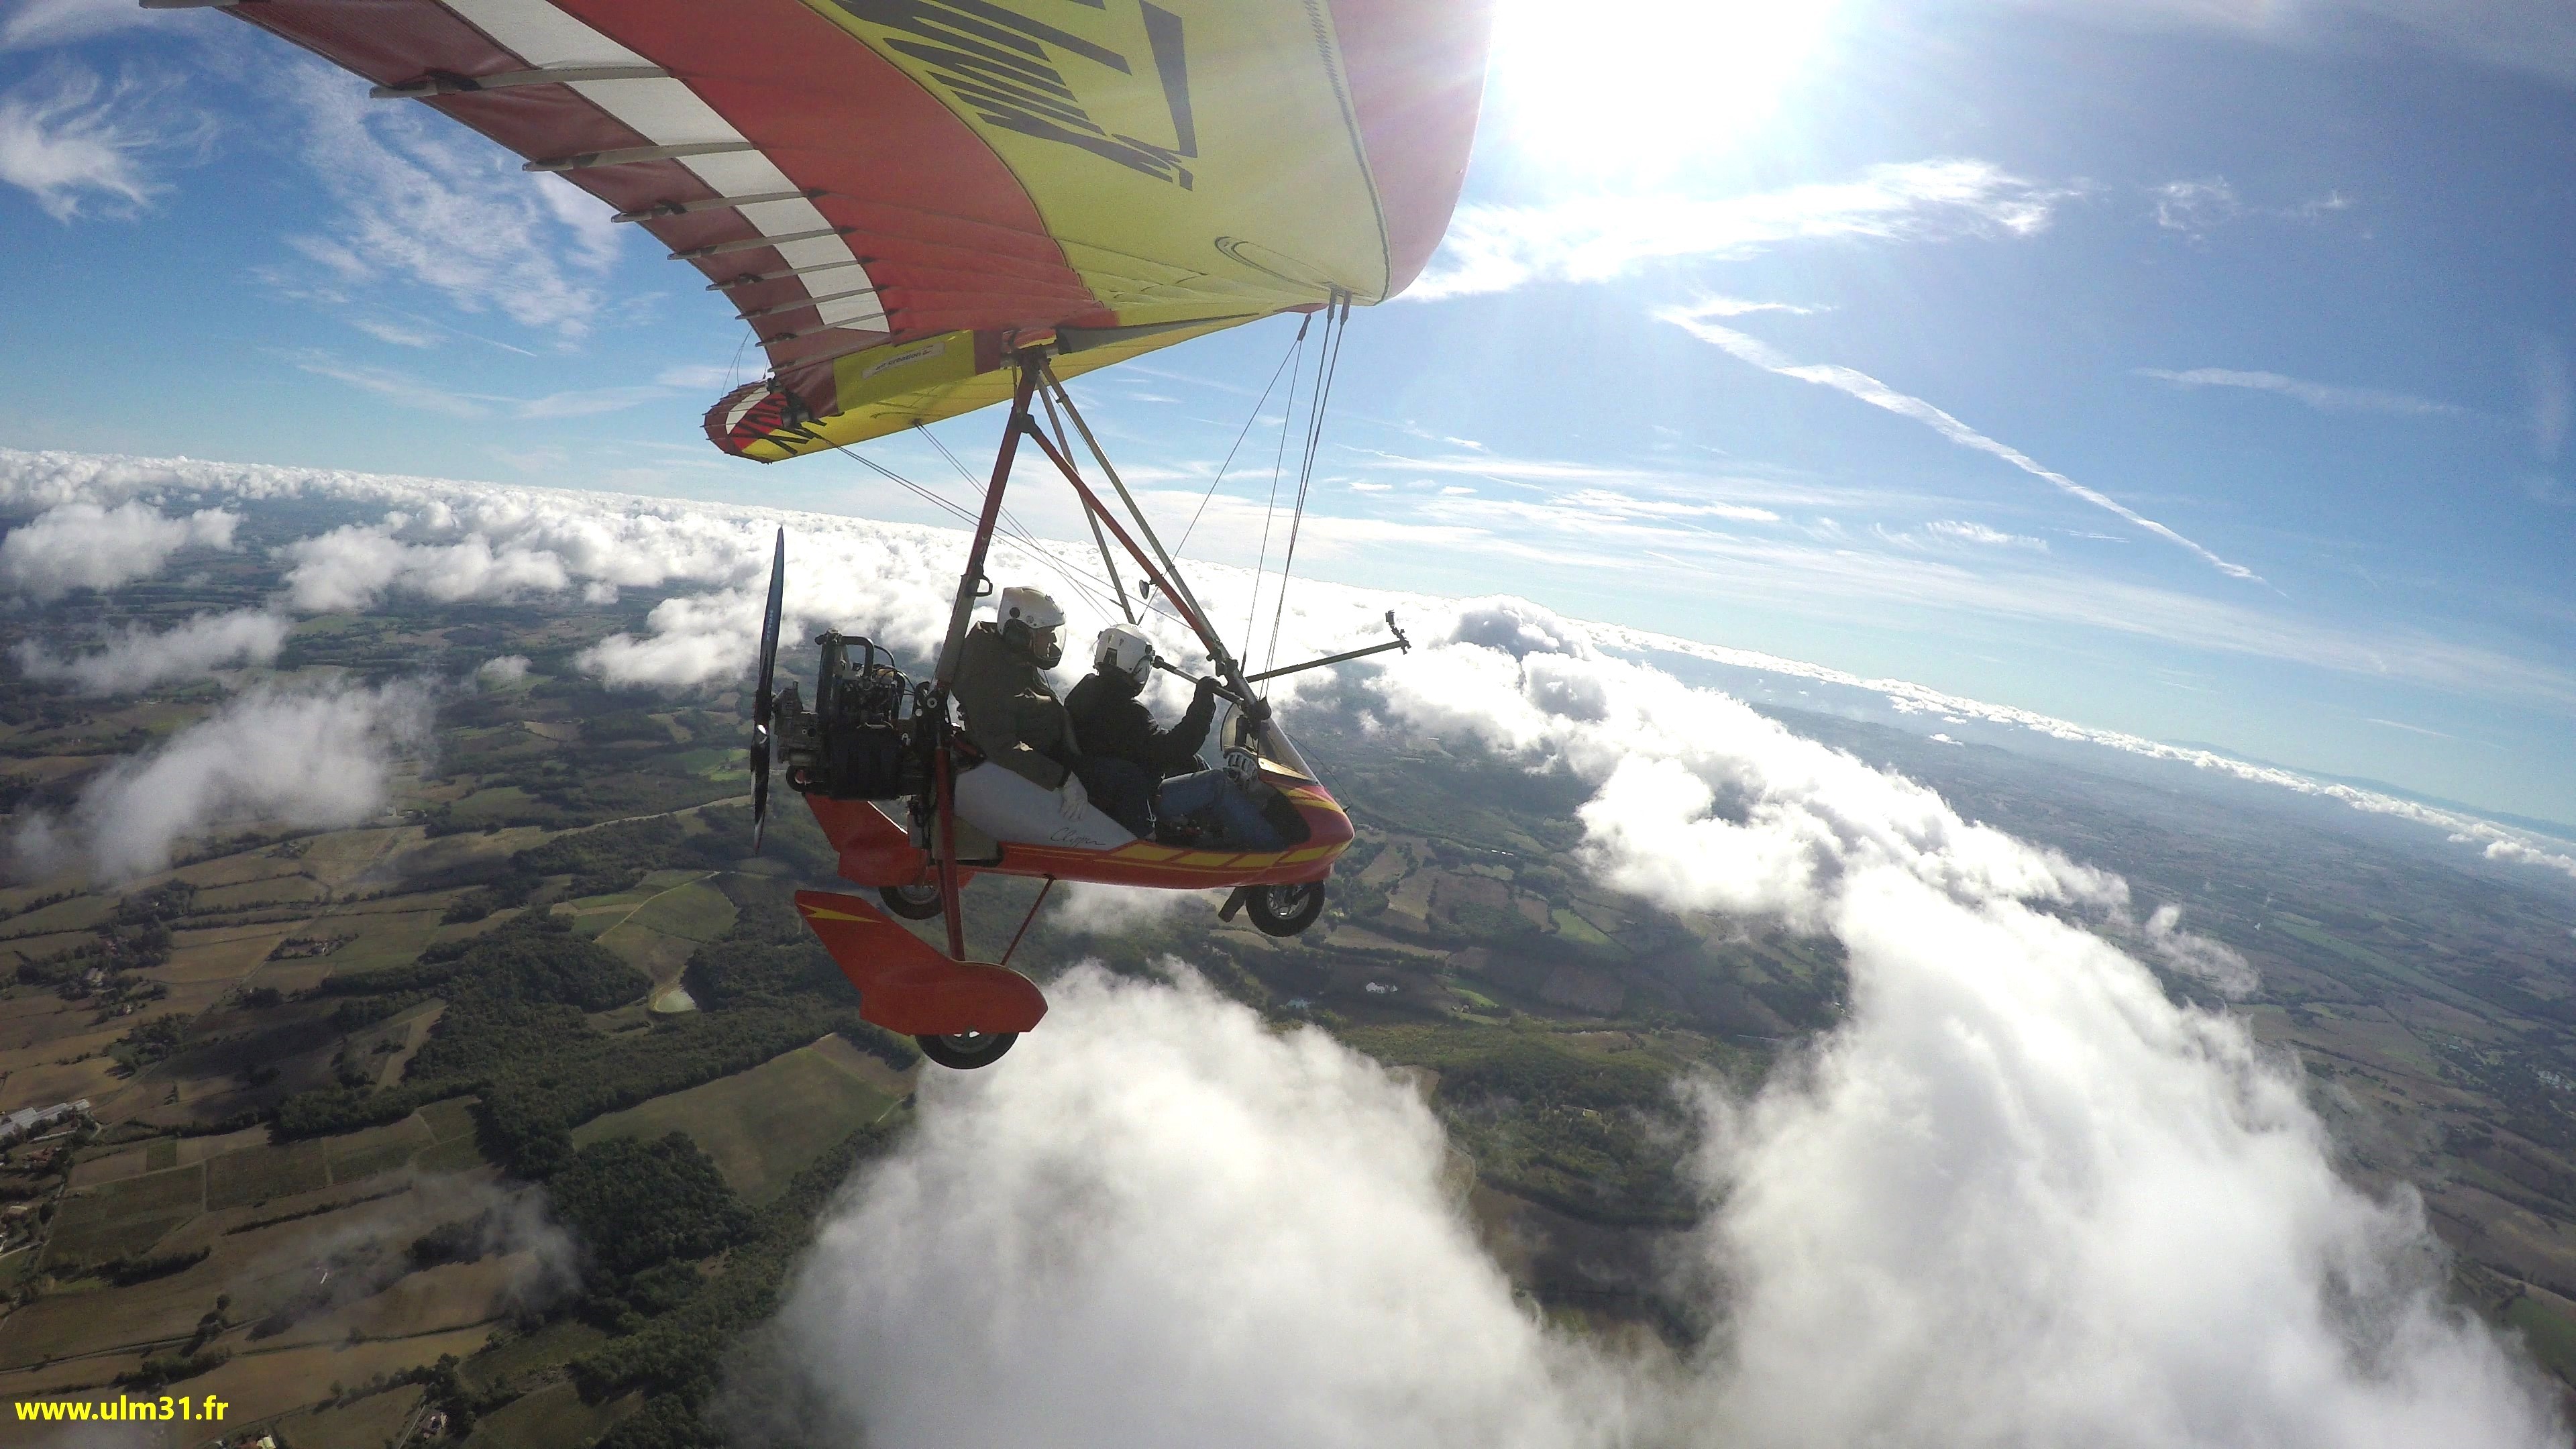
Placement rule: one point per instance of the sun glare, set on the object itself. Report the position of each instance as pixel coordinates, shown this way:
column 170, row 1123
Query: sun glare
column 1634, row 90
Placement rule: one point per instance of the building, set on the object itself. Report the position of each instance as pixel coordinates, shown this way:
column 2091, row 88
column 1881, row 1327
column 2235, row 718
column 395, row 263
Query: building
column 27, row 1122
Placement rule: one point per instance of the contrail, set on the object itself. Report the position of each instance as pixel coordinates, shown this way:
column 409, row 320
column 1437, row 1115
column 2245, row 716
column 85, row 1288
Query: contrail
column 1878, row 394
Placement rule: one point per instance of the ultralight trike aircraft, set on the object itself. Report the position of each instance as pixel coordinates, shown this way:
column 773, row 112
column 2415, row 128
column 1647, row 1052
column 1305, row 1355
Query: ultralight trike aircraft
column 881, row 762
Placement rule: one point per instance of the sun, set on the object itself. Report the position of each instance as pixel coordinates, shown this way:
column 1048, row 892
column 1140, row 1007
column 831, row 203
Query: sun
column 1628, row 91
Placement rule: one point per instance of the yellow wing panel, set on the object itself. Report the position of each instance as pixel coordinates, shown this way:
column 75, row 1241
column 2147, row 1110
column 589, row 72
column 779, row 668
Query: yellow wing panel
column 1190, row 157
column 887, row 389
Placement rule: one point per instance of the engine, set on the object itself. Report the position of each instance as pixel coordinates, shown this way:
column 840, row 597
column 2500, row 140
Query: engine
column 866, row 737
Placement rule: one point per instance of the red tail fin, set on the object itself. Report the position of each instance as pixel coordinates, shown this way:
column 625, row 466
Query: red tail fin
column 905, row 986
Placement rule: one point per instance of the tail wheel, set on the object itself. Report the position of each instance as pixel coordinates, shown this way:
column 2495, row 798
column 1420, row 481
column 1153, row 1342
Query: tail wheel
column 1285, row 910
column 966, row 1050
column 918, row 902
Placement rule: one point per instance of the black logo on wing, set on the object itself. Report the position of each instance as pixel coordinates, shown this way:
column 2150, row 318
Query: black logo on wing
column 1008, row 69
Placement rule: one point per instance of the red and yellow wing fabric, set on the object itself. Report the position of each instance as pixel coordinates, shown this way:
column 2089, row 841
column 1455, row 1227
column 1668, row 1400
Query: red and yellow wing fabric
column 892, row 193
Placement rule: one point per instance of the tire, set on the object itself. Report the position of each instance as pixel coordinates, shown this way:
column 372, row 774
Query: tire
column 1285, row 910
column 967, row 1050
column 909, row 902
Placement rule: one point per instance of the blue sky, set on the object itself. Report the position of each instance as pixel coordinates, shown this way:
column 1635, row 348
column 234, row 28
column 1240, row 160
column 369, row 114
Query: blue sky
column 2195, row 369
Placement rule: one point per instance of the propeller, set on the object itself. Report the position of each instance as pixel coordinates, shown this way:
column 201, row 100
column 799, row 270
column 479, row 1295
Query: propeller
column 763, row 698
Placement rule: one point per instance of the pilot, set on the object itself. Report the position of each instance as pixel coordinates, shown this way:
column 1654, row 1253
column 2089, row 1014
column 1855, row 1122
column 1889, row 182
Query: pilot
column 1133, row 762
column 1012, row 716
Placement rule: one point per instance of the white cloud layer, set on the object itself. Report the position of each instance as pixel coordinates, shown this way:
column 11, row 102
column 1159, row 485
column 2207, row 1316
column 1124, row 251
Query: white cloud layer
column 137, row 659
column 892, row 581
column 80, row 545
column 313, row 759
column 1879, row 395
column 2325, row 397
column 1594, row 238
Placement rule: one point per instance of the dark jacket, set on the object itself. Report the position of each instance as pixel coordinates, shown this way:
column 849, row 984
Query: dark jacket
column 1011, row 714
column 1109, row 721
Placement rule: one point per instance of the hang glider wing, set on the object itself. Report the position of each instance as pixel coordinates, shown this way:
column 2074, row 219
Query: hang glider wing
column 891, row 192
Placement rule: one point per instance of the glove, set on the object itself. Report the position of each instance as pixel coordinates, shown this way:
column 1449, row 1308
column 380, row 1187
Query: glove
column 1207, row 687
column 1070, row 798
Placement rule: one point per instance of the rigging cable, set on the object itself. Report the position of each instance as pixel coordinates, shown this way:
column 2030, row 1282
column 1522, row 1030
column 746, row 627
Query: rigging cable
column 1029, row 546
column 1098, row 540
column 1151, row 604
column 1011, row 521
column 1245, row 432
column 1270, row 510
column 1328, row 365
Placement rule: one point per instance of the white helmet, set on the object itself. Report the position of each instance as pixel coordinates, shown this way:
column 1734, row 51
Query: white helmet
column 1124, row 647
column 1038, row 621
column 1033, row 607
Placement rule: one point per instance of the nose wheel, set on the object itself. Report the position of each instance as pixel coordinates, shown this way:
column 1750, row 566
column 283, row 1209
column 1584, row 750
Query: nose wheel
column 966, row 1050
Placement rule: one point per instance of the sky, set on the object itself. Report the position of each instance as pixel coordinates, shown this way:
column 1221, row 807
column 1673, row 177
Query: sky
column 2188, row 368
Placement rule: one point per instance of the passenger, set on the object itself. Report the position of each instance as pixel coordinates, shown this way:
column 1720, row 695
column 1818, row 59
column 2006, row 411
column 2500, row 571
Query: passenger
column 1130, row 758
column 1012, row 716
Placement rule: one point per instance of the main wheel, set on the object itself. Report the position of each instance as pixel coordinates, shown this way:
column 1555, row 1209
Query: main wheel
column 912, row 902
column 966, row 1050
column 1284, row 910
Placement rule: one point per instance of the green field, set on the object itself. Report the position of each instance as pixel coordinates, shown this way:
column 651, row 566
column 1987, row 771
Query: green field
column 695, row 911
column 391, row 938
column 761, row 1126
column 124, row 1218
column 260, row 1174
column 552, row 1416
column 452, row 1119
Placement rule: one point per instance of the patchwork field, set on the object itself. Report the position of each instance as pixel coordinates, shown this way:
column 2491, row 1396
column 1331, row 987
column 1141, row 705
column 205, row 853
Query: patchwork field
column 765, row 1125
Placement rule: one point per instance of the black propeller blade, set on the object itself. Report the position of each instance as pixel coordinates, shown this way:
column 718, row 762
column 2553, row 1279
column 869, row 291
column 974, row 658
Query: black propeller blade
column 762, row 697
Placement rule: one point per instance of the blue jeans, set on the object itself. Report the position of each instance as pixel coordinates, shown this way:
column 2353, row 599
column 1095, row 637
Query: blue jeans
column 1212, row 794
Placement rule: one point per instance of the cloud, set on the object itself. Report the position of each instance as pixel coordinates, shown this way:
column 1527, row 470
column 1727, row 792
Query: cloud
column 70, row 139
column 34, row 24
column 2325, row 397
column 1595, row 238
column 2553, row 399
column 400, row 334
column 2531, row 36
column 314, row 759
column 1100, row 910
column 137, row 659
column 414, row 392
column 503, row 669
column 2212, row 961
column 1237, row 1238
column 2195, row 208
column 423, row 203
column 1878, row 394
column 1906, row 697
column 84, row 546
column 1960, row 531
column 1714, row 306
column 351, row 567
column 697, row 377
